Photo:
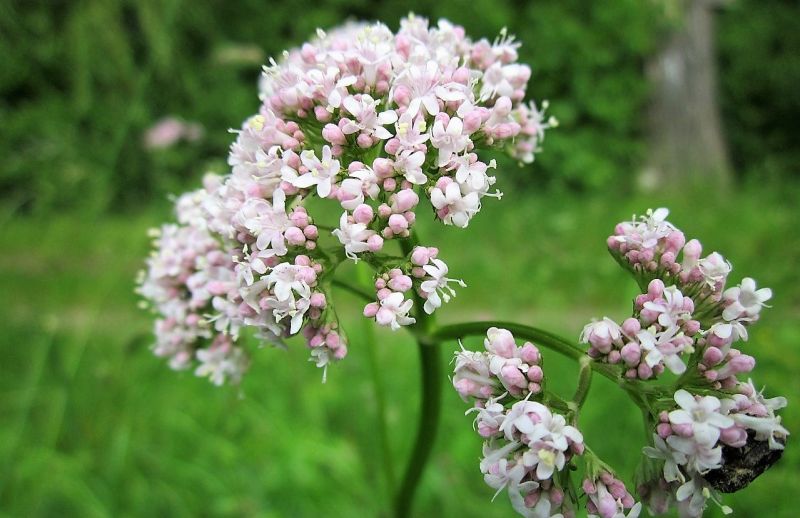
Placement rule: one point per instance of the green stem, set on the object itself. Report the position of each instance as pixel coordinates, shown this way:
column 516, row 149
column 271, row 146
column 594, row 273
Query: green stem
column 377, row 385
column 430, row 359
column 430, row 400
column 538, row 336
column 584, row 382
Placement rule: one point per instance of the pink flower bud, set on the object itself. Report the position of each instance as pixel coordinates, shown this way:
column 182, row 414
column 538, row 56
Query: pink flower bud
column 631, row 354
column 390, row 184
column 383, row 167
column 333, row 134
column 363, row 214
column 364, row 141
column 294, row 236
column 317, row 300
column 322, row 114
column 397, row 223
column 311, row 232
column 535, row 374
column 472, row 121
column 529, row 353
column 631, row 327
column 383, row 293
column 420, row 256
column 384, row 211
column 656, row 288
column 375, row 243
column 401, row 283
column 404, row 200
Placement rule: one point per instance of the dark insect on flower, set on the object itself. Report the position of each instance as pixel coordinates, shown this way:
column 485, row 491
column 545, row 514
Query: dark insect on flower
column 743, row 465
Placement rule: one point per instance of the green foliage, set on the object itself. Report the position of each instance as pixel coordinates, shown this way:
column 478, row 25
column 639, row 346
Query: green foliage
column 95, row 425
column 82, row 81
column 760, row 72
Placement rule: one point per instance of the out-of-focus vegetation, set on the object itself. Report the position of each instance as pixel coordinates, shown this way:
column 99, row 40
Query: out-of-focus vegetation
column 82, row 81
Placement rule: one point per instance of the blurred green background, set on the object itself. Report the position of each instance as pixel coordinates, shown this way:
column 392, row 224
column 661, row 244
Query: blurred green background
column 94, row 425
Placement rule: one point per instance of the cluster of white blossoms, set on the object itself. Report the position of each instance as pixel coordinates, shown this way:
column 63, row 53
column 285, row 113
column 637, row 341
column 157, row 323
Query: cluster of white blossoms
column 527, row 446
column 686, row 312
column 373, row 121
column 188, row 277
column 687, row 322
column 698, row 442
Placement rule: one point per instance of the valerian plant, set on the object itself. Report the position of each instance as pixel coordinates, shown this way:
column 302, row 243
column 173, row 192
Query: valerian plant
column 374, row 121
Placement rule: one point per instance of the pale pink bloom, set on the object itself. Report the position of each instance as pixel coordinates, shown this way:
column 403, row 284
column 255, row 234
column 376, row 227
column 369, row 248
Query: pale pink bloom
column 321, row 173
column 437, row 286
column 394, row 311
column 449, row 140
column 409, row 164
column 660, row 348
column 702, row 414
column 367, row 119
column 453, row 207
column 744, row 301
column 353, row 236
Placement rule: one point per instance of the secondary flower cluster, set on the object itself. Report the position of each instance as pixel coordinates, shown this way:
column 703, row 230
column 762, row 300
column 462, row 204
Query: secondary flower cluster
column 685, row 310
column 687, row 322
column 370, row 120
column 188, row 277
column 527, row 445
column 697, row 442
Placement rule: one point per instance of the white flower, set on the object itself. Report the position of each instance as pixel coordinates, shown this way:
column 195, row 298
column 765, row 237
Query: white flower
column 221, row 362
column 660, row 450
column 458, row 208
column 409, row 163
column 450, row 140
column 284, row 281
column 437, row 288
column 601, row 333
column 646, row 233
column 353, row 236
column 266, row 221
column 368, row 120
column 660, row 348
column 473, row 175
column 394, row 311
column 411, row 131
column 745, row 300
column 321, row 173
column 703, row 414
column 715, row 269
column 671, row 309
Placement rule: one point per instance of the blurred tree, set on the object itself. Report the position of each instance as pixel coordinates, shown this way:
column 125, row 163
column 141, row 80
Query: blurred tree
column 686, row 140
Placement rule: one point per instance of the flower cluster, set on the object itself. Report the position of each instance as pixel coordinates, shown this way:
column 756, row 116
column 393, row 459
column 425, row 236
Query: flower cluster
column 188, row 277
column 371, row 121
column 687, row 322
column 696, row 444
column 609, row 498
column 527, row 445
column 685, row 309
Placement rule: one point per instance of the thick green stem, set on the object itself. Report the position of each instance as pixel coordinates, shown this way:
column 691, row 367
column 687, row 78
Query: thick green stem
column 430, row 359
column 430, row 399
column 378, row 387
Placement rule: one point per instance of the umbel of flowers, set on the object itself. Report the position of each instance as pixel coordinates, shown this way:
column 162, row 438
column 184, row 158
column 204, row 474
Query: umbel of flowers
column 712, row 430
column 376, row 125
column 370, row 120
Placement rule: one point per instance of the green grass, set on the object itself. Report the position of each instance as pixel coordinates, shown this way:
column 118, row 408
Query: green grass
column 94, row 425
